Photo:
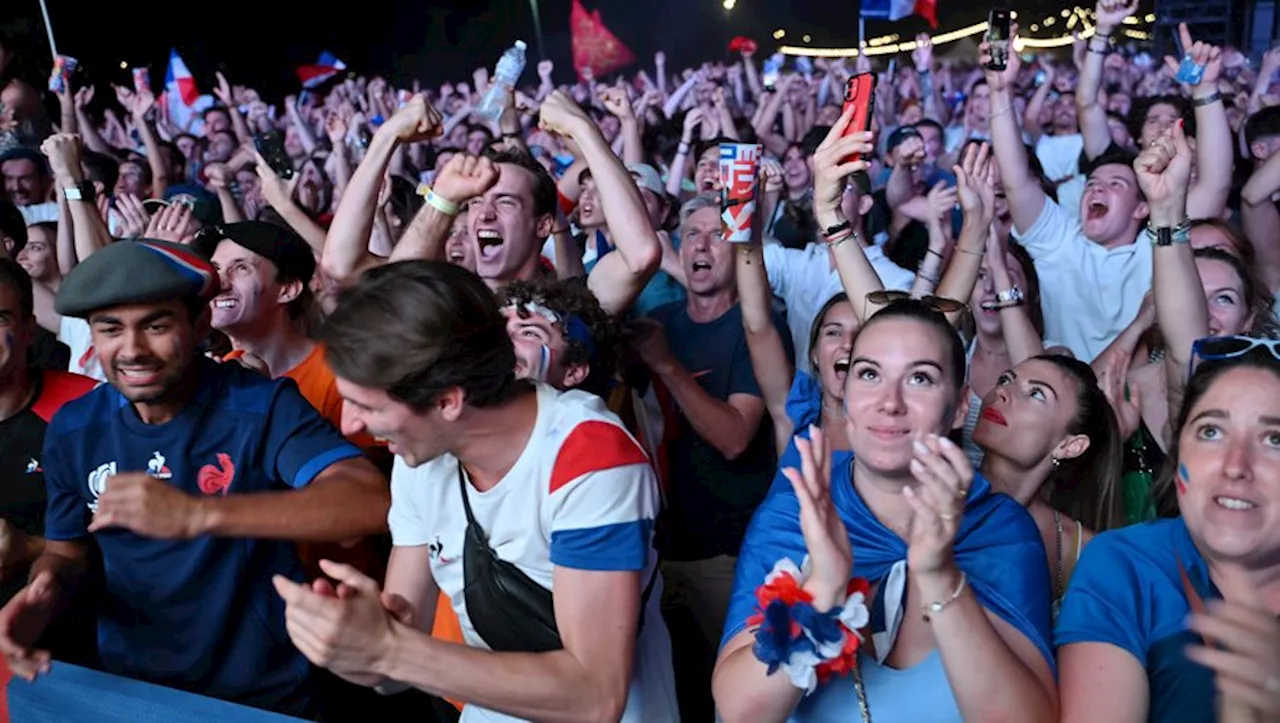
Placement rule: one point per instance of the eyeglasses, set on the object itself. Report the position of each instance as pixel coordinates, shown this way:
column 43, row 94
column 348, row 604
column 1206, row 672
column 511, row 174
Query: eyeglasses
column 1217, row 348
column 940, row 304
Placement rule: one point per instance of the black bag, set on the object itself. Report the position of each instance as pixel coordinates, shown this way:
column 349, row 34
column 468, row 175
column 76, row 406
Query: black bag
column 511, row 612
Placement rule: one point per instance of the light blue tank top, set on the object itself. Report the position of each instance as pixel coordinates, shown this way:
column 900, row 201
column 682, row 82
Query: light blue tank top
column 919, row 694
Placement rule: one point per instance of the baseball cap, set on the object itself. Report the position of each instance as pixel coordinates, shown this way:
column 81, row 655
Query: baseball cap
column 648, row 178
column 284, row 248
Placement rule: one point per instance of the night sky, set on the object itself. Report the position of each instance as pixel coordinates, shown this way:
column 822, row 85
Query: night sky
column 433, row 41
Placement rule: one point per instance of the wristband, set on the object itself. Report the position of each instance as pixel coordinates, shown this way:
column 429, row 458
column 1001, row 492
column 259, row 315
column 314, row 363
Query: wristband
column 809, row 646
column 682, row 149
column 438, row 202
column 1210, row 99
column 1170, row 235
column 833, row 230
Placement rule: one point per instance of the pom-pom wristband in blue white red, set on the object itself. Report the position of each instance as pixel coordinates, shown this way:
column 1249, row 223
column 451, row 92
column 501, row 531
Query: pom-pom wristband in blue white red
column 791, row 634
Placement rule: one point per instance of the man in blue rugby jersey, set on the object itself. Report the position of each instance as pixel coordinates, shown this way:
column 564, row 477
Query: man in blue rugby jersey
column 194, row 479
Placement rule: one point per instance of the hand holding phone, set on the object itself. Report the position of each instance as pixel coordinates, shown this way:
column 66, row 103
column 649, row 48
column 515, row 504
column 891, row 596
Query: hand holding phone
column 270, row 146
column 999, row 32
column 860, row 95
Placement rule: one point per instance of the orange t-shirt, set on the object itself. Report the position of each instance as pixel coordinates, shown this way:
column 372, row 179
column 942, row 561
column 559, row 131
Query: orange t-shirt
column 319, row 387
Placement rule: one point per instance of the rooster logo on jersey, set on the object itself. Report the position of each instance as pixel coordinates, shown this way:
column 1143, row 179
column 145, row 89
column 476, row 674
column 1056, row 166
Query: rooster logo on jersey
column 156, row 467
column 98, row 482
column 217, row 480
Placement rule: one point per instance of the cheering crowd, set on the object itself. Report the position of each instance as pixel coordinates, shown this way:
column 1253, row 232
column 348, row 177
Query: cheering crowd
column 456, row 414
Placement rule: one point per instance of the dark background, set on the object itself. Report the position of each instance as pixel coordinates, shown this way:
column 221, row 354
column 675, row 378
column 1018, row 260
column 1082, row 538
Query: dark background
column 260, row 42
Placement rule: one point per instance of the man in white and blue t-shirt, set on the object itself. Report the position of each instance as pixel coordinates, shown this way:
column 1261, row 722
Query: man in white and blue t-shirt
column 559, row 489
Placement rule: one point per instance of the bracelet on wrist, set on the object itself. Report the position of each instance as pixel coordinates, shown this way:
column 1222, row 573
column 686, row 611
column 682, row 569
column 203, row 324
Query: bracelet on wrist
column 1169, row 235
column 438, row 202
column 938, row 606
column 1210, row 99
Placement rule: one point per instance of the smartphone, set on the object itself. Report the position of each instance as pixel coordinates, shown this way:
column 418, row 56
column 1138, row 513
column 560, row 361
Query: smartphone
column 893, row 68
column 1189, row 72
column 271, row 146
column 999, row 30
column 860, row 95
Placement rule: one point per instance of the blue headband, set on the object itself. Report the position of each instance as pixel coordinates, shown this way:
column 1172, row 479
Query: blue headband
column 576, row 330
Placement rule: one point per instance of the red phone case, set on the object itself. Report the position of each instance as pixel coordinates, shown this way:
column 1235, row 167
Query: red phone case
column 860, row 94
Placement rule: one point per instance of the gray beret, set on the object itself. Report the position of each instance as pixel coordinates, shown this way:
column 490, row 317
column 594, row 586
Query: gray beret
column 135, row 272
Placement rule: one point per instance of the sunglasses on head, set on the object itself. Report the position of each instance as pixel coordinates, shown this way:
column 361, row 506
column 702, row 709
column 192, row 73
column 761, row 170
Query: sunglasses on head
column 1217, row 348
column 940, row 304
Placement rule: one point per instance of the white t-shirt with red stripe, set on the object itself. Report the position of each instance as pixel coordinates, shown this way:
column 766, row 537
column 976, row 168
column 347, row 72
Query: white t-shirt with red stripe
column 582, row 495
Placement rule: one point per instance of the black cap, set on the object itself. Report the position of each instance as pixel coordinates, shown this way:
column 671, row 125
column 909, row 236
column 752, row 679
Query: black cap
column 284, row 248
column 898, row 136
column 135, row 272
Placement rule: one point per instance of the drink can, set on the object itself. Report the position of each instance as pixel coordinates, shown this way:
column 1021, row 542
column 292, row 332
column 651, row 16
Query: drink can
column 60, row 78
column 141, row 80
column 739, row 177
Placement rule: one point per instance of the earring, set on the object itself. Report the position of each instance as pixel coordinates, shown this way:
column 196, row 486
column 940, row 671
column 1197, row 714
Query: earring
column 1056, row 462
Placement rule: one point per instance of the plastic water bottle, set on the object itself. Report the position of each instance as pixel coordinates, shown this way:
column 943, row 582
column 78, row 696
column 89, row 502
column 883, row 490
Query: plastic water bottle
column 505, row 77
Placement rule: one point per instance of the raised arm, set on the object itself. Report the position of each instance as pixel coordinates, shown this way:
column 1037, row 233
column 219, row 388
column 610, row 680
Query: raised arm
column 619, row 277
column 773, row 368
column 1164, row 170
column 1093, row 117
column 830, row 174
column 346, row 247
column 1026, row 198
column 1214, row 152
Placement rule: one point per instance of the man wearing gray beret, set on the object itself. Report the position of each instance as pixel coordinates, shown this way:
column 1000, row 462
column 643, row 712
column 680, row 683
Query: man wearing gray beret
column 193, row 478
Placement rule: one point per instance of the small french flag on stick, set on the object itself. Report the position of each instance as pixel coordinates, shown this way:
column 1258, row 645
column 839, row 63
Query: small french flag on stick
column 181, row 95
column 326, row 67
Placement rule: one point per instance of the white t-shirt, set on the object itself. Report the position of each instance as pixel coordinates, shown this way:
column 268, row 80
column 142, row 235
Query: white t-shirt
column 805, row 280
column 582, row 495
column 1089, row 294
column 1060, row 158
column 84, row 358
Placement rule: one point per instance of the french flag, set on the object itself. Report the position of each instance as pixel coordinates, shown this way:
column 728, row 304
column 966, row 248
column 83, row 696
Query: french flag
column 181, row 95
column 326, row 67
column 894, row 10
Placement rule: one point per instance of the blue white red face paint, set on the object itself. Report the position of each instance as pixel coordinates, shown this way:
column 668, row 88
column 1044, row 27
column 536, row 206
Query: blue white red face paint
column 1184, row 478
column 544, row 364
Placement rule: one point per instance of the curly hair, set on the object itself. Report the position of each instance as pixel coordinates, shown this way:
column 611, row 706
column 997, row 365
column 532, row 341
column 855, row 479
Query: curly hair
column 572, row 298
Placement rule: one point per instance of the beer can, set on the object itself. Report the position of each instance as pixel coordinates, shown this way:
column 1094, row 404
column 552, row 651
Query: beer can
column 739, row 178
column 60, row 78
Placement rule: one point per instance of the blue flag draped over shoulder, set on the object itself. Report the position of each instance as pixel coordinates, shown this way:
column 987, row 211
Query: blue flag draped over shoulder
column 998, row 545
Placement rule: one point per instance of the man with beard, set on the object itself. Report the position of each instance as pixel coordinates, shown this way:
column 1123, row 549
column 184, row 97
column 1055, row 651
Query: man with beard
column 191, row 477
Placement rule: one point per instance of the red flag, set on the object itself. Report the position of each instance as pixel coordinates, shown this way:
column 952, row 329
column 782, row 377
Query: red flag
column 593, row 45
column 928, row 9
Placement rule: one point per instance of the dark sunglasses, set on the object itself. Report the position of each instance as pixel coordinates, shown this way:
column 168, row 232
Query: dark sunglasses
column 939, row 304
column 1217, row 348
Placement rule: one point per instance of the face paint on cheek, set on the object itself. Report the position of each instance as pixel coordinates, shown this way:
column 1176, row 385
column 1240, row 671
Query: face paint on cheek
column 1184, row 478
column 544, row 364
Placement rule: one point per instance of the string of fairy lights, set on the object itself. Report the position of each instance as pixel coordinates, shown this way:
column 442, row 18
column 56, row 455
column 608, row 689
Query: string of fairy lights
column 1074, row 21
